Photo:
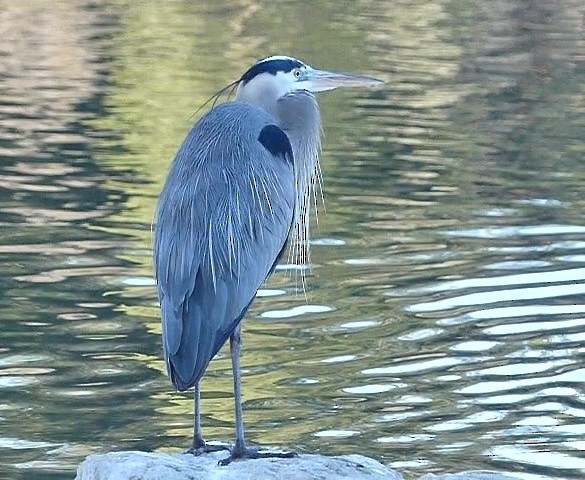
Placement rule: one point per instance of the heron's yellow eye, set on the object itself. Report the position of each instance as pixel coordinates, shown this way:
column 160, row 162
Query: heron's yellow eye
column 297, row 72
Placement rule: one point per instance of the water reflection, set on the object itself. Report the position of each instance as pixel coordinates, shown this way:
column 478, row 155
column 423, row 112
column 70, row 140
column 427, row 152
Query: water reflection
column 441, row 326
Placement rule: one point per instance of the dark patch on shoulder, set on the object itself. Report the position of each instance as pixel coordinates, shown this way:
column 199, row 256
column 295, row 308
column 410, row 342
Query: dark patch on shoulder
column 276, row 142
column 271, row 66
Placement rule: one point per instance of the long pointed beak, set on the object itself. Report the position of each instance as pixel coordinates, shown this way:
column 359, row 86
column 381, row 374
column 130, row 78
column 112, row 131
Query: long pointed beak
column 322, row 81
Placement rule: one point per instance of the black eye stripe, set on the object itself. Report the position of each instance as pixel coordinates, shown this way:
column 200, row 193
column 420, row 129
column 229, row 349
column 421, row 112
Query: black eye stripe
column 271, row 66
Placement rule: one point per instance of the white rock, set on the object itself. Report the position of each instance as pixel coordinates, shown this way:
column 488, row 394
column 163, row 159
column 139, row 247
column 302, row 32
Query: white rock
column 159, row 466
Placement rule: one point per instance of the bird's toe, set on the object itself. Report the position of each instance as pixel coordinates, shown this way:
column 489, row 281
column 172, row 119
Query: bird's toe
column 252, row 453
column 208, row 447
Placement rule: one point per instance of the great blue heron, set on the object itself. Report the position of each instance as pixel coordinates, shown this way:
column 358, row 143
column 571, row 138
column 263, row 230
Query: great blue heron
column 240, row 185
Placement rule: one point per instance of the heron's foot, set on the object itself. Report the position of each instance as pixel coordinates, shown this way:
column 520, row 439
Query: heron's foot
column 241, row 453
column 201, row 447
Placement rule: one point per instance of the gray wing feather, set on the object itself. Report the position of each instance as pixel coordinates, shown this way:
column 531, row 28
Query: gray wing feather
column 222, row 220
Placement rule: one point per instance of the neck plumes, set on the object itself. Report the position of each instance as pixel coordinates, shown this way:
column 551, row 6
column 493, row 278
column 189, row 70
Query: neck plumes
column 298, row 115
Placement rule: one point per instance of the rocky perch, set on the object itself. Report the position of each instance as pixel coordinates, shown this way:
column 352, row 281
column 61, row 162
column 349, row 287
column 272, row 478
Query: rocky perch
column 160, row 466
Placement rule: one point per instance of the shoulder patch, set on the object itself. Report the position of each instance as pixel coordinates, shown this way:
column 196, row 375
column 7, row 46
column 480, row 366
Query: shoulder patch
column 276, row 142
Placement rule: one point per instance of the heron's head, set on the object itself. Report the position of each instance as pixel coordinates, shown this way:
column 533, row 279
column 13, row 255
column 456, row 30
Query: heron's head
column 274, row 77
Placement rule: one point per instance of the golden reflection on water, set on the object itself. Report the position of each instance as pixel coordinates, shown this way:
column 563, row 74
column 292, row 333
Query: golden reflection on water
column 48, row 67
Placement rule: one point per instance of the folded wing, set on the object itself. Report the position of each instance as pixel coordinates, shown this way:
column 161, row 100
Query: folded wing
column 222, row 221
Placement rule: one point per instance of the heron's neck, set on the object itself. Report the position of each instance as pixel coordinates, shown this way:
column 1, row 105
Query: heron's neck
column 299, row 117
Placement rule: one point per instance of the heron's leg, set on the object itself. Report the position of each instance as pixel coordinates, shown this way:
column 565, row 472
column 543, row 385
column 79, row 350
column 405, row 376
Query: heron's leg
column 199, row 445
column 198, row 441
column 235, row 350
column 240, row 449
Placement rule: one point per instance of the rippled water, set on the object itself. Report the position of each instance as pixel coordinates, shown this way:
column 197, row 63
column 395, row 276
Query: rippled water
column 443, row 326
